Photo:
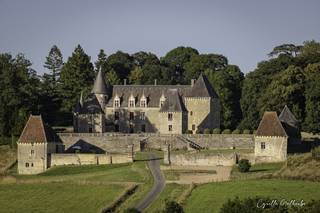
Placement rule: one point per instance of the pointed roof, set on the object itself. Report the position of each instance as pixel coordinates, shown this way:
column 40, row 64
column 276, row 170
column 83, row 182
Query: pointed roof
column 286, row 116
column 202, row 88
column 173, row 102
column 91, row 105
column 100, row 86
column 270, row 125
column 35, row 131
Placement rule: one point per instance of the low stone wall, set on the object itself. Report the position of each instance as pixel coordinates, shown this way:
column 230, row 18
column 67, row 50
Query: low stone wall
column 111, row 142
column 89, row 159
column 200, row 159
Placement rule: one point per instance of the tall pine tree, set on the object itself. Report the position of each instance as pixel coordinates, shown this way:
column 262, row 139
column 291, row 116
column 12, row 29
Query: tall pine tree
column 54, row 63
column 76, row 76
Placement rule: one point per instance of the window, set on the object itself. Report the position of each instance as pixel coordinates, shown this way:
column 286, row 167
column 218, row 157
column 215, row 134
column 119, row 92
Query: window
column 27, row 164
column 263, row 145
column 90, row 129
column 170, row 116
column 170, row 128
column 116, row 116
column 191, row 113
column 143, row 128
column 131, row 103
column 117, row 102
column 142, row 116
column 31, row 164
column 193, row 127
column 131, row 116
column 143, row 103
column 32, row 152
column 131, row 128
column 116, row 128
column 161, row 103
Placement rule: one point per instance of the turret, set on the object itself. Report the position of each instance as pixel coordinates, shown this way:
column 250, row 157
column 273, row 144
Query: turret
column 100, row 89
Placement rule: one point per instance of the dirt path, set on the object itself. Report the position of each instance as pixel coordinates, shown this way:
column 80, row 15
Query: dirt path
column 158, row 184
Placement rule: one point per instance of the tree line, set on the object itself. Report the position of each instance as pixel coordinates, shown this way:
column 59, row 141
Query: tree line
column 290, row 76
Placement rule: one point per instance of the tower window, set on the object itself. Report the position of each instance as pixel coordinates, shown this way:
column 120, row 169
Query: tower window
column 170, row 128
column 193, row 127
column 191, row 113
column 142, row 116
column 116, row 116
column 143, row 128
column 131, row 116
column 170, row 116
column 263, row 145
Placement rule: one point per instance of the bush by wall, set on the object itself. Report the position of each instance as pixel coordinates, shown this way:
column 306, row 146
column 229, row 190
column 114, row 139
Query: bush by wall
column 244, row 165
column 246, row 131
column 216, row 131
column 236, row 131
column 206, row 131
column 226, row 131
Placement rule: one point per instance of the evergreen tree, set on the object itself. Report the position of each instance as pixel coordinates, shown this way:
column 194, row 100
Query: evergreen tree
column 54, row 63
column 101, row 62
column 76, row 75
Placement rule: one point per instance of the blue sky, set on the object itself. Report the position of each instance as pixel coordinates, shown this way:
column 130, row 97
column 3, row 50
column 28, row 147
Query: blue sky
column 244, row 31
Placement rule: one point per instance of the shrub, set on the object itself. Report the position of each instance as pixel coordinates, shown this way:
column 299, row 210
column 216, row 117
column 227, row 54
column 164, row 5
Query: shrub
column 131, row 210
column 226, row 131
column 199, row 131
column 207, row 131
column 316, row 153
column 236, row 131
column 246, row 131
column 216, row 131
column 173, row 207
column 244, row 165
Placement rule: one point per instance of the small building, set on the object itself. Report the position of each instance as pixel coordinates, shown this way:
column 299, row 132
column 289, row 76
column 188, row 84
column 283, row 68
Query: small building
column 270, row 140
column 37, row 141
column 290, row 125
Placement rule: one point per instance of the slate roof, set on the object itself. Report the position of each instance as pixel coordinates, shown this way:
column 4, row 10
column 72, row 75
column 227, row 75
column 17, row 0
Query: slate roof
column 153, row 93
column 35, row 131
column 286, row 116
column 202, row 88
column 100, row 86
column 90, row 106
column 173, row 102
column 270, row 125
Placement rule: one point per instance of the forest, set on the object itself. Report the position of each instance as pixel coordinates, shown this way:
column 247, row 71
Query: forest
column 290, row 76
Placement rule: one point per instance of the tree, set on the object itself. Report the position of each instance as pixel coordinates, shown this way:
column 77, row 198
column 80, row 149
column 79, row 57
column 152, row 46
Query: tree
column 136, row 76
column 76, row 75
column 176, row 59
column 288, row 49
column 101, row 62
column 312, row 96
column 244, row 165
column 121, row 63
column 173, row 207
column 112, row 77
column 141, row 58
column 54, row 63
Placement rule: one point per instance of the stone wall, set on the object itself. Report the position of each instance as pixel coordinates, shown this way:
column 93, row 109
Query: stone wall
column 89, row 159
column 201, row 159
column 275, row 149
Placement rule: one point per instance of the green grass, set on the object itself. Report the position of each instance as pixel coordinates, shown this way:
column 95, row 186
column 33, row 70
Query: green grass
column 256, row 171
column 210, row 197
column 57, row 197
column 171, row 192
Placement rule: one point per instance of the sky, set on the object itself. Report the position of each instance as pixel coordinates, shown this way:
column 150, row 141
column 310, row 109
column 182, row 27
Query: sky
column 242, row 30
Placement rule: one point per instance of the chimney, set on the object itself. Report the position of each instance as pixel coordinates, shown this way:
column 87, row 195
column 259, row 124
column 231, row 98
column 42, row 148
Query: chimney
column 192, row 82
column 155, row 81
column 124, row 81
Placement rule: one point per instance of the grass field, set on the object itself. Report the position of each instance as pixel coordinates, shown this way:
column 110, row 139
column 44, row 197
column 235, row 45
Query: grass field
column 7, row 157
column 210, row 197
column 75, row 188
column 57, row 197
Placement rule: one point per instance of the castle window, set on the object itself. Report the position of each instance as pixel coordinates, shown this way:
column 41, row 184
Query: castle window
column 31, row 164
column 32, row 152
column 143, row 103
column 191, row 113
column 193, row 127
column 131, row 103
column 131, row 128
column 142, row 115
column 117, row 102
column 161, row 102
column 143, row 128
column 116, row 116
column 170, row 128
column 170, row 116
column 131, row 116
column 116, row 128
column 263, row 145
column 27, row 164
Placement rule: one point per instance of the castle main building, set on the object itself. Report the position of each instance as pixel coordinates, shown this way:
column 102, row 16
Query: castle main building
column 165, row 109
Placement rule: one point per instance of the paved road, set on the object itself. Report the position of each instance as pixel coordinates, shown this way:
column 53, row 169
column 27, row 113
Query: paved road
column 158, row 184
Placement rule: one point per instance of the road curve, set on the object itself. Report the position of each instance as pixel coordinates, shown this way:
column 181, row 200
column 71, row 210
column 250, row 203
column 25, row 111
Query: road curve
column 158, row 184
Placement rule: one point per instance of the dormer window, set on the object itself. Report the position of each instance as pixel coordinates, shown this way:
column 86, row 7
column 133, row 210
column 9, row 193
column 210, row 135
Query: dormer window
column 117, row 102
column 131, row 101
column 162, row 100
column 143, row 103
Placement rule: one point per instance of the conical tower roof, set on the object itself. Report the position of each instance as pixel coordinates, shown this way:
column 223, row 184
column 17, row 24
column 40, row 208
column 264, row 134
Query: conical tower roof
column 202, row 88
column 100, row 86
column 286, row 116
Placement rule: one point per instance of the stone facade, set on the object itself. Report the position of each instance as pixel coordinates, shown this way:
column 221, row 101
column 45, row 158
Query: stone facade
column 165, row 109
column 270, row 148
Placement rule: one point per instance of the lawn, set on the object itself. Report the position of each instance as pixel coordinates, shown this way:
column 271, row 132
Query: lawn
column 210, row 197
column 171, row 192
column 57, row 197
